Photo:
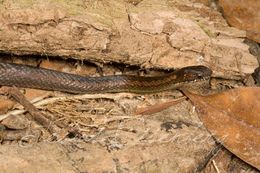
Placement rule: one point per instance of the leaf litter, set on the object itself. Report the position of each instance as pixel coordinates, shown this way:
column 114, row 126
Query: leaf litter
column 233, row 118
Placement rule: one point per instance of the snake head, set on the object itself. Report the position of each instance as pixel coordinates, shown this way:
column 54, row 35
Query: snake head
column 194, row 73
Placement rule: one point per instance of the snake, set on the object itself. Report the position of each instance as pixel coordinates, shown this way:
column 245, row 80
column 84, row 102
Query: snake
column 25, row 76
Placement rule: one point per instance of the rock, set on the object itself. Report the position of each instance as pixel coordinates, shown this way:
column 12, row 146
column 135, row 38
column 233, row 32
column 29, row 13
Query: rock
column 43, row 157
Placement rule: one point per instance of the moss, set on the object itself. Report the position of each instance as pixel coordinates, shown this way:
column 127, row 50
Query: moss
column 24, row 3
column 102, row 11
column 207, row 31
column 74, row 7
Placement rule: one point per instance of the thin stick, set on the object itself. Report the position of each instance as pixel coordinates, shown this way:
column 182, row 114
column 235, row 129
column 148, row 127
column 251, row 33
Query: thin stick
column 61, row 98
column 35, row 113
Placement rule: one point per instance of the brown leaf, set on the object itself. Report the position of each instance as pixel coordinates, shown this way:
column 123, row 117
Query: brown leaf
column 233, row 117
column 158, row 107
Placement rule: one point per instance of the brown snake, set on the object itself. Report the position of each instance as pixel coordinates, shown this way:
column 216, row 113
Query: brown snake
column 40, row 78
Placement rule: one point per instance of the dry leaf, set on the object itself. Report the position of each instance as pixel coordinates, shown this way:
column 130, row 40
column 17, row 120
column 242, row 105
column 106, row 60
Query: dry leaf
column 233, row 117
column 158, row 107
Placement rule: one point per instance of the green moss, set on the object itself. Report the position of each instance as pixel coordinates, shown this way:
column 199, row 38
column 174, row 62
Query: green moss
column 106, row 11
column 207, row 31
column 102, row 11
column 74, row 7
column 24, row 3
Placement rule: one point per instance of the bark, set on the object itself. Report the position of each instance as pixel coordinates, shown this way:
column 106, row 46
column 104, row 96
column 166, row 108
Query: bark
column 161, row 34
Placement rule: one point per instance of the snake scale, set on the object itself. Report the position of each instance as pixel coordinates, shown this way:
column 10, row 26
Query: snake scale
column 41, row 78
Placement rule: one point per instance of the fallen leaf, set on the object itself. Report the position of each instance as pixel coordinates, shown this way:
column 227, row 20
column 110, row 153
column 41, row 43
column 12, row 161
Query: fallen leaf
column 158, row 107
column 233, row 118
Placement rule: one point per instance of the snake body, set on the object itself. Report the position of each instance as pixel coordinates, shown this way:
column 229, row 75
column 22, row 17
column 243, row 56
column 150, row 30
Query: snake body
column 46, row 79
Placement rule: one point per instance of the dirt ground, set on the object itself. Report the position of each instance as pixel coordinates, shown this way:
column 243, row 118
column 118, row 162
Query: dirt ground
column 103, row 133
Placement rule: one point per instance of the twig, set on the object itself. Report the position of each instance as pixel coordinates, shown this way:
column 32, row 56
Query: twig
column 215, row 166
column 61, row 98
column 36, row 115
column 208, row 158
